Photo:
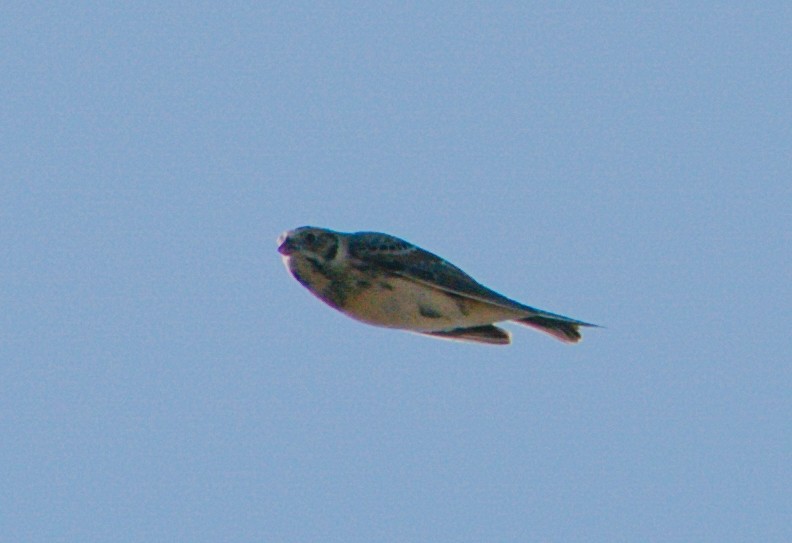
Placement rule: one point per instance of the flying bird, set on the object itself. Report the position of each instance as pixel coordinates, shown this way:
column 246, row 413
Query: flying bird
column 385, row 281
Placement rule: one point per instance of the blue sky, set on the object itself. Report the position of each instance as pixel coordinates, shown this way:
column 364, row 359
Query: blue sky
column 164, row 379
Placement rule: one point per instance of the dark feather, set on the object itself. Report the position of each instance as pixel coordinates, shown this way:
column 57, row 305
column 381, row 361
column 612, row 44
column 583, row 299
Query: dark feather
column 489, row 334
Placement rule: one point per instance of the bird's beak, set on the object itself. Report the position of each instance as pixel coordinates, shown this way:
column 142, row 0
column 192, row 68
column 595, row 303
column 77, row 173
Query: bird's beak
column 285, row 246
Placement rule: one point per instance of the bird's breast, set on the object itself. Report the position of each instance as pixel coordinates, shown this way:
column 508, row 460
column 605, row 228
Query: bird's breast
column 395, row 302
column 392, row 301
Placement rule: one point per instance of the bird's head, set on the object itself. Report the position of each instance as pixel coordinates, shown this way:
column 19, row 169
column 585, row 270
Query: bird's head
column 316, row 244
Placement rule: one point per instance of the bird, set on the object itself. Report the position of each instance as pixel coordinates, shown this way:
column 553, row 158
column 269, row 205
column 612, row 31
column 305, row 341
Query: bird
column 386, row 281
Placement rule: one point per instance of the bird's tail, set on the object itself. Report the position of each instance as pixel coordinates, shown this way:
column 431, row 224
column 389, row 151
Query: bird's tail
column 567, row 331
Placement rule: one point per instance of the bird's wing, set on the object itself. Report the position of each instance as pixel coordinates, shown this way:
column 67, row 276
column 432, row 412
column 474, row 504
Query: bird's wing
column 373, row 250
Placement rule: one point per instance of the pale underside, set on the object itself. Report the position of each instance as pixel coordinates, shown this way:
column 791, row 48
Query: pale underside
column 400, row 303
column 408, row 305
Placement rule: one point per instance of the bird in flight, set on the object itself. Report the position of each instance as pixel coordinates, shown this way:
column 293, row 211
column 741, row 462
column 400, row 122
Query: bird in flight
column 385, row 281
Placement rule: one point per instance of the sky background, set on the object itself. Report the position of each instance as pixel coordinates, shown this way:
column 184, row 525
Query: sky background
column 162, row 378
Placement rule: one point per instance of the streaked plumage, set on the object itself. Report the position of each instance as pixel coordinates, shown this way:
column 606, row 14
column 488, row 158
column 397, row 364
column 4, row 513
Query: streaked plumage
column 385, row 281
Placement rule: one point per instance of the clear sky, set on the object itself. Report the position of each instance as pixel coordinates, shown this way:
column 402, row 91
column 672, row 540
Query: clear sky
column 162, row 378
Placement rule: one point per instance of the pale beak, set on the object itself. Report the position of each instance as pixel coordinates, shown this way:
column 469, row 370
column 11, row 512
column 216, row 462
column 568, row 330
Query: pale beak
column 285, row 246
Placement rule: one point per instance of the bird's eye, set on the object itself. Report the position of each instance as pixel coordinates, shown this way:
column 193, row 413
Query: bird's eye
column 310, row 238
